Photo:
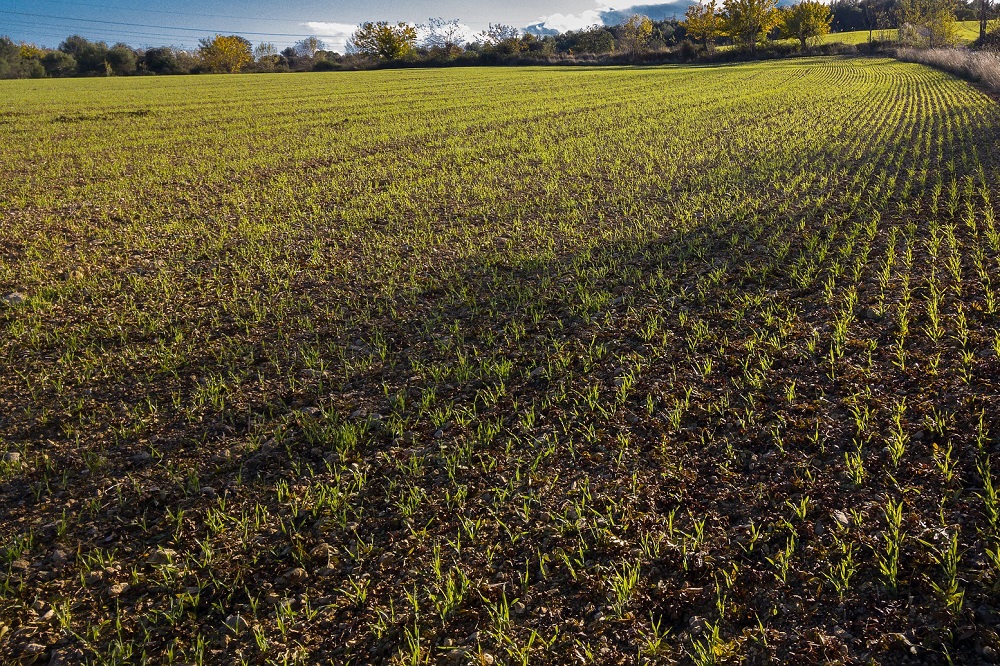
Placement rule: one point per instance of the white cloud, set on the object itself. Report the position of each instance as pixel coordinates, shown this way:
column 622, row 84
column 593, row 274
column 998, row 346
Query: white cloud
column 607, row 15
column 463, row 33
column 566, row 22
column 334, row 34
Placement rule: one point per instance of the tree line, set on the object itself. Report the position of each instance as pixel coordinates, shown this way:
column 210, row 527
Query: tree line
column 913, row 23
column 887, row 15
column 746, row 25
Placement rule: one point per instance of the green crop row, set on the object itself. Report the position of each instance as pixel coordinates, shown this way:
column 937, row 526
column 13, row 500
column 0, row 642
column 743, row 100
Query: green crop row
column 619, row 365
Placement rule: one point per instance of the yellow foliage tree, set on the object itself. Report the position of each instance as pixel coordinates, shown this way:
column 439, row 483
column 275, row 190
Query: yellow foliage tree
column 808, row 20
column 383, row 40
column 29, row 51
column 703, row 22
column 748, row 22
column 927, row 23
column 225, row 53
column 634, row 34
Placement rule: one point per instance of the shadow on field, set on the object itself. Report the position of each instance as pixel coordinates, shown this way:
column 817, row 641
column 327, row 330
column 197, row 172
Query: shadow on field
column 624, row 437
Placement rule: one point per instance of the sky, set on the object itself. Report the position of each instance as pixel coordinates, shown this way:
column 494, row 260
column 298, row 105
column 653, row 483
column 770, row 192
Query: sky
column 181, row 23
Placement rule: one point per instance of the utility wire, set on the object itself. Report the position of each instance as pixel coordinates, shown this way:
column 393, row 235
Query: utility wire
column 155, row 27
column 164, row 11
column 225, row 16
column 56, row 32
column 149, row 35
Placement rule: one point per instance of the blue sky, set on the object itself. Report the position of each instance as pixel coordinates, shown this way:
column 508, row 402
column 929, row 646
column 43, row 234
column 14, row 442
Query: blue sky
column 182, row 23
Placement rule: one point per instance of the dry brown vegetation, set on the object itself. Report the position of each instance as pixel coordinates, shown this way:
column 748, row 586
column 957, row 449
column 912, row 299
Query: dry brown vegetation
column 978, row 66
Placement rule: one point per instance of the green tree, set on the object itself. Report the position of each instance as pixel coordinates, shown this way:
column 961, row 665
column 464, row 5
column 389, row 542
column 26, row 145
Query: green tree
column 225, row 53
column 927, row 23
column 634, row 34
column 383, row 40
column 808, row 20
column 91, row 57
column 599, row 41
column 19, row 61
column 59, row 63
column 122, row 60
column 308, row 47
column 595, row 40
column 703, row 22
column 748, row 22
column 161, row 60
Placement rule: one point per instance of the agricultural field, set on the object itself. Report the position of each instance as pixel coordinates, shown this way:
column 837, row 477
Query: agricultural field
column 966, row 32
column 501, row 366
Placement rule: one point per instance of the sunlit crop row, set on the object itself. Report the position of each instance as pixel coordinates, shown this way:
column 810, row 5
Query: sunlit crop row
column 530, row 366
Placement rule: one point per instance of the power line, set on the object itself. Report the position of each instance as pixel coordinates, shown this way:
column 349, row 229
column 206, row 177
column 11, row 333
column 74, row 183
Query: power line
column 225, row 16
column 66, row 25
column 58, row 32
column 165, row 11
column 116, row 26
column 51, row 31
column 35, row 31
column 155, row 27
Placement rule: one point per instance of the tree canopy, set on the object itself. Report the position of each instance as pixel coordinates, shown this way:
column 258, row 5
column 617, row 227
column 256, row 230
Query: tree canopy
column 308, row 47
column 501, row 38
column 18, row 62
column 225, row 53
column 90, row 57
column 929, row 23
column 441, row 34
column 635, row 34
column 748, row 22
column 808, row 20
column 383, row 40
column 703, row 22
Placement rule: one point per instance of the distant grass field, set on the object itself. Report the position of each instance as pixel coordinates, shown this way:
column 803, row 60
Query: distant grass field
column 968, row 31
column 479, row 366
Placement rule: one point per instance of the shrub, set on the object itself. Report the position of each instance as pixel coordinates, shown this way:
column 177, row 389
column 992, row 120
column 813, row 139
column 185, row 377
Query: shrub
column 989, row 42
column 57, row 63
column 161, row 61
column 687, row 50
column 90, row 57
column 122, row 60
column 14, row 65
column 326, row 66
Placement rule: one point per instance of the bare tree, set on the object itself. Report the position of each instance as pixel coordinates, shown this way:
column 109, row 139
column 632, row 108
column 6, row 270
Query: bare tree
column 442, row 34
column 307, row 47
column 265, row 51
column 501, row 38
